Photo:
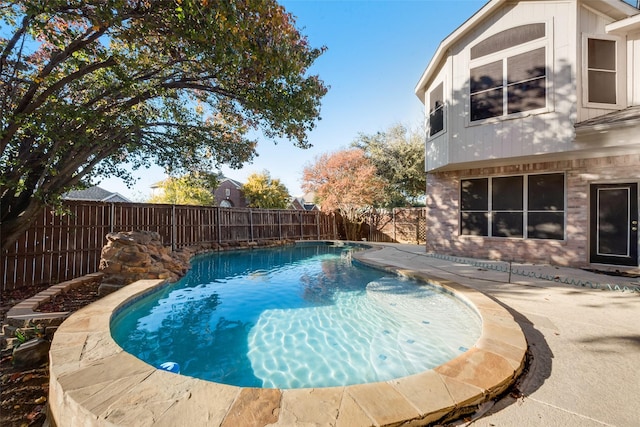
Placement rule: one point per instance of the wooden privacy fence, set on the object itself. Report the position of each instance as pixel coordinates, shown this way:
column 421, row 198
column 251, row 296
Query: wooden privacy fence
column 60, row 247
column 398, row 225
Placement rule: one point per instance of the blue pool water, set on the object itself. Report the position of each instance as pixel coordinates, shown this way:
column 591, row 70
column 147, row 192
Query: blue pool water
column 300, row 316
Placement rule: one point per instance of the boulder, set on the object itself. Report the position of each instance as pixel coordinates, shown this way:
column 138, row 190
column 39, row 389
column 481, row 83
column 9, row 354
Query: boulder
column 32, row 353
column 136, row 255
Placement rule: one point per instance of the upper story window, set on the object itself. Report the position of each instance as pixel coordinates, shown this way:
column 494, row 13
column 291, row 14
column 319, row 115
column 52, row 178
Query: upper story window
column 509, row 73
column 436, row 110
column 602, row 63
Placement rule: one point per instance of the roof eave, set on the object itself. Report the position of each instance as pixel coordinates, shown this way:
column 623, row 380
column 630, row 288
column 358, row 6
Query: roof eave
column 604, row 127
column 452, row 38
column 624, row 25
column 486, row 10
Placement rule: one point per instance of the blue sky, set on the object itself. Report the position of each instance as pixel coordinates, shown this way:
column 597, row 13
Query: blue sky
column 377, row 51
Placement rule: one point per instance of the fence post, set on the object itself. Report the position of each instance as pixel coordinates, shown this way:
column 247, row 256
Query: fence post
column 393, row 216
column 174, row 227
column 113, row 217
column 318, row 223
column 279, row 226
column 301, row 226
column 251, row 224
column 218, row 224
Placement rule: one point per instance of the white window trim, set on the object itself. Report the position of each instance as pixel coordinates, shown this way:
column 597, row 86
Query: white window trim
column 444, row 108
column 621, row 72
column 546, row 42
column 525, row 206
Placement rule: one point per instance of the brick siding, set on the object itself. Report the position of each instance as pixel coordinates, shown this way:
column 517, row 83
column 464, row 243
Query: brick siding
column 443, row 203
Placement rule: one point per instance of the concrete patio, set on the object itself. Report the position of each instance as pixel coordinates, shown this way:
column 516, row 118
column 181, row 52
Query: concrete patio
column 585, row 343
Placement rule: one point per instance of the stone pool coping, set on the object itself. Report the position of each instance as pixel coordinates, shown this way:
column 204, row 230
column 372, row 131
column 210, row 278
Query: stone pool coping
column 94, row 382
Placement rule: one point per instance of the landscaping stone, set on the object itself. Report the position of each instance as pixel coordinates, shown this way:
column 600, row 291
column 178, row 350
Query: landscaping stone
column 139, row 255
column 32, row 353
column 107, row 288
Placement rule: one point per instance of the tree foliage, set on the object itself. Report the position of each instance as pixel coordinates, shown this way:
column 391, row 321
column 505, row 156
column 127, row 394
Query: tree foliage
column 346, row 181
column 191, row 189
column 399, row 157
column 86, row 85
column 264, row 192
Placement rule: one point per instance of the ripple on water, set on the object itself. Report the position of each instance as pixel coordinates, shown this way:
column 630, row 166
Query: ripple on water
column 376, row 335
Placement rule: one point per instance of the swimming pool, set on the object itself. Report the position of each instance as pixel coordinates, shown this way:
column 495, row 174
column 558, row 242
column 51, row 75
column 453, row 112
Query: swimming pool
column 93, row 382
column 301, row 316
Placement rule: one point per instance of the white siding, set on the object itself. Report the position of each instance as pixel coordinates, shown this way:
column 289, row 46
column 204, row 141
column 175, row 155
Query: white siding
column 437, row 147
column 633, row 68
column 530, row 135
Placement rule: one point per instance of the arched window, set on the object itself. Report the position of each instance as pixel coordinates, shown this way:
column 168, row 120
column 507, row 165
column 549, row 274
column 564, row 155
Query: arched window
column 508, row 73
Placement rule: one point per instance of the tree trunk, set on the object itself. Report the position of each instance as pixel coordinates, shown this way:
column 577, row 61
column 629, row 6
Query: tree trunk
column 14, row 226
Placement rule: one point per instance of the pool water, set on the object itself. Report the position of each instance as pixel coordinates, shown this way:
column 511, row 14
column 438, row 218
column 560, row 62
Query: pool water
column 294, row 317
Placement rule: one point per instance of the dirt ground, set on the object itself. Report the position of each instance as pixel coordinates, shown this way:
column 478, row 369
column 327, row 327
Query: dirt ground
column 24, row 392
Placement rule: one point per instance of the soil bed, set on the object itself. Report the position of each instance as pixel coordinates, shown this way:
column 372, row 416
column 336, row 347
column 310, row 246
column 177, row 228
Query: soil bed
column 23, row 392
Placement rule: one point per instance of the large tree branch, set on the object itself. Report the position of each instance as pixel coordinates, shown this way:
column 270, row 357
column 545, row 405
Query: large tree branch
column 11, row 44
column 27, row 104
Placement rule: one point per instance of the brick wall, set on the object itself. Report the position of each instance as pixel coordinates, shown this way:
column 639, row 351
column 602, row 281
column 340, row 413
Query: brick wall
column 443, row 203
column 236, row 196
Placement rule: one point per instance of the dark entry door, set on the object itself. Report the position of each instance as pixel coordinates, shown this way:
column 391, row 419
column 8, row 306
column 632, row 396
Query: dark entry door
column 614, row 224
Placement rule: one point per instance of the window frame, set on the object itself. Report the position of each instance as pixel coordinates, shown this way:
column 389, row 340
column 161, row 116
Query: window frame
column 526, row 211
column 428, row 93
column 620, row 72
column 503, row 56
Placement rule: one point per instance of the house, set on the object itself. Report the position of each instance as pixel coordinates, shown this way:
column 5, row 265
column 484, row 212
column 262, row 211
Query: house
column 229, row 194
column 157, row 188
column 95, row 194
column 533, row 136
column 304, row 202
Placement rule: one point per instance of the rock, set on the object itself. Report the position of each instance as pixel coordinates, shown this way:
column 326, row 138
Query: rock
column 107, row 288
column 32, row 353
column 136, row 255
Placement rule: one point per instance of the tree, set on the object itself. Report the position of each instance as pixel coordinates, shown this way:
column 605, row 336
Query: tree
column 346, row 181
column 264, row 192
column 399, row 157
column 88, row 85
column 191, row 189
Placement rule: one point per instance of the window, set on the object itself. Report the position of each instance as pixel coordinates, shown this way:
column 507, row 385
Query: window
column 474, row 207
column 507, row 39
column 523, row 206
column 506, row 77
column 436, row 110
column 507, row 207
column 545, row 203
column 601, row 71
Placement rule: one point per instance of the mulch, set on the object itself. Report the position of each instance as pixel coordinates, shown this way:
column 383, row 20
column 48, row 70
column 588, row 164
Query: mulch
column 24, row 392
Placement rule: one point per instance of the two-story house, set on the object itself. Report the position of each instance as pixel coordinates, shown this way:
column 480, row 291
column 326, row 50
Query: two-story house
column 229, row 194
column 533, row 136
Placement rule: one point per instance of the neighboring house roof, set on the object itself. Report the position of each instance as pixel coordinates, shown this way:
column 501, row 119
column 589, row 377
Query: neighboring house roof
column 617, row 119
column 296, row 203
column 95, row 193
column 299, row 203
column 237, row 184
column 617, row 9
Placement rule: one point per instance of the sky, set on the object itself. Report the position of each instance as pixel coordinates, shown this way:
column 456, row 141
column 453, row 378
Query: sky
column 376, row 52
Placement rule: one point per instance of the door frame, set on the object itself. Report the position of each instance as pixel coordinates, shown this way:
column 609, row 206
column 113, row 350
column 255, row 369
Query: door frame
column 631, row 259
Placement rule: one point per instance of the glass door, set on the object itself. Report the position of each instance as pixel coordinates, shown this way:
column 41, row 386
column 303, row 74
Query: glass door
column 614, row 224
